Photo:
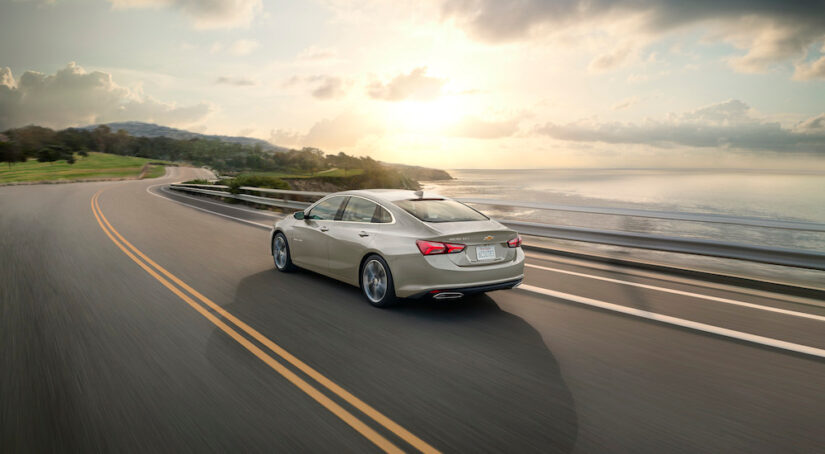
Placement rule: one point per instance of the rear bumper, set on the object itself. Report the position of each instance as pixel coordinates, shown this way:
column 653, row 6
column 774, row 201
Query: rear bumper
column 465, row 291
column 416, row 274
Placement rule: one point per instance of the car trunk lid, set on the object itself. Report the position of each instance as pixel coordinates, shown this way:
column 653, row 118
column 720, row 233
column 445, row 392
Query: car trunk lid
column 486, row 241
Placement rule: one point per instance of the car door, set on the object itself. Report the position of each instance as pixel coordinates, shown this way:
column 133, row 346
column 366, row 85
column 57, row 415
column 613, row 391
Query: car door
column 310, row 242
column 353, row 235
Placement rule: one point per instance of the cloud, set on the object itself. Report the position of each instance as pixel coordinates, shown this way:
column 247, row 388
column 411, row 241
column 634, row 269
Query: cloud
column 611, row 60
column 243, row 47
column 730, row 124
column 73, row 97
column 639, row 78
column 323, row 86
column 808, row 71
column 476, row 128
column 771, row 31
column 237, row 48
column 236, row 81
column 329, row 88
column 813, row 125
column 770, row 41
column 415, row 85
column 205, row 14
column 318, row 53
column 286, row 138
column 625, row 103
column 343, row 131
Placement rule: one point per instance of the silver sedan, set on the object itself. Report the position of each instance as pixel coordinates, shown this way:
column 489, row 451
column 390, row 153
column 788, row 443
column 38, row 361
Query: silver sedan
column 400, row 244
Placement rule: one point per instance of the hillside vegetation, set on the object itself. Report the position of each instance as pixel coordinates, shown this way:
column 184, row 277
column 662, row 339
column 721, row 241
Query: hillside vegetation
column 91, row 167
column 231, row 159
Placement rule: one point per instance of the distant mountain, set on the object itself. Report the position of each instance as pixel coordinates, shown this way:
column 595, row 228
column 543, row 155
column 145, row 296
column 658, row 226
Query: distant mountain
column 140, row 129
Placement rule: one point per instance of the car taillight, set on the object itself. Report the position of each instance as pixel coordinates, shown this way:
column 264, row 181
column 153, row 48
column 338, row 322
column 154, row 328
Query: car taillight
column 435, row 247
column 515, row 242
column 454, row 247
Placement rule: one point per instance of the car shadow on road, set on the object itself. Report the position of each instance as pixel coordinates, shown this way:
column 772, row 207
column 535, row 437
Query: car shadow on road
column 464, row 375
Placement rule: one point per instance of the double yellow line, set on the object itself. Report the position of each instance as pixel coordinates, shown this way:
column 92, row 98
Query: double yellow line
column 190, row 295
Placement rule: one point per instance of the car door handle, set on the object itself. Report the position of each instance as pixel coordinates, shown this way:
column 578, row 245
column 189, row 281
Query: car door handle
column 363, row 234
column 323, row 228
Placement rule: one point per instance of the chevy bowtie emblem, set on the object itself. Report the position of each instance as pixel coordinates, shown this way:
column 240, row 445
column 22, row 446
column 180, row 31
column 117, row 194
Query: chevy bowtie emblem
column 488, row 237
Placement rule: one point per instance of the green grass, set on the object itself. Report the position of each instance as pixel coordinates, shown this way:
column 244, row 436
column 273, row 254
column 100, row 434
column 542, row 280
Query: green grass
column 96, row 165
column 339, row 173
column 155, row 171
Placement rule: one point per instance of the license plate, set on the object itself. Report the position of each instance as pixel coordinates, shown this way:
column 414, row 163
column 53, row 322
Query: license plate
column 485, row 252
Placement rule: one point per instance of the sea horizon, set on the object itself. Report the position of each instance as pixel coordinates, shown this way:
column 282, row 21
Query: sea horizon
column 756, row 193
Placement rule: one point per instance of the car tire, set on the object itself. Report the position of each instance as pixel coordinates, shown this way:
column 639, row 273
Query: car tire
column 376, row 282
column 281, row 254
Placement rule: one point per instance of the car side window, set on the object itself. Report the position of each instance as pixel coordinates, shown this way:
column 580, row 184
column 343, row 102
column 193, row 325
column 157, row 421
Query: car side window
column 381, row 216
column 359, row 210
column 326, row 210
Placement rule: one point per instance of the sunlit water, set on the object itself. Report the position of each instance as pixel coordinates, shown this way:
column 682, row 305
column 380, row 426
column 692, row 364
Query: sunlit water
column 798, row 196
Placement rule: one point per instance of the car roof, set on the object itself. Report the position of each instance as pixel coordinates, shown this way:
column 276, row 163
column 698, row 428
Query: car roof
column 391, row 195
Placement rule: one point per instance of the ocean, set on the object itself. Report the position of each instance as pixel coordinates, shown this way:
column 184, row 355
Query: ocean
column 782, row 195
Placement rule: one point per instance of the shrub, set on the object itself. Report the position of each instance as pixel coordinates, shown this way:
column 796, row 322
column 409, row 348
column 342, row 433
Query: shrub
column 53, row 153
column 197, row 181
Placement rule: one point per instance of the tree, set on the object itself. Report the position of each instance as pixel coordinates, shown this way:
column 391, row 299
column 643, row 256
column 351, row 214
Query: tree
column 9, row 153
column 53, row 153
column 28, row 140
column 101, row 137
column 75, row 139
column 310, row 159
column 343, row 161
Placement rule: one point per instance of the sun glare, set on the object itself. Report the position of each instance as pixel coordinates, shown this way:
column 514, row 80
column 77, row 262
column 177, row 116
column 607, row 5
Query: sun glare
column 426, row 116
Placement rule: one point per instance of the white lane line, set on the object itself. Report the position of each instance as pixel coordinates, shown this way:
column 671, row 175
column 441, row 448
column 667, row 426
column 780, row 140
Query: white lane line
column 256, row 224
column 767, row 341
column 694, row 282
column 684, row 293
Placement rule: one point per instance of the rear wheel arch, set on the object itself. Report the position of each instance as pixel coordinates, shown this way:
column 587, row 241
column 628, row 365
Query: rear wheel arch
column 391, row 298
column 367, row 255
column 361, row 264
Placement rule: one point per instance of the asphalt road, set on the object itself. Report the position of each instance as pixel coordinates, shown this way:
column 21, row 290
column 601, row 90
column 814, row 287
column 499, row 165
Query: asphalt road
column 99, row 354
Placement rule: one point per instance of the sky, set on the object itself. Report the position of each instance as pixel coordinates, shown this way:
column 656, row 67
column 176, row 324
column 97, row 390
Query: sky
column 440, row 83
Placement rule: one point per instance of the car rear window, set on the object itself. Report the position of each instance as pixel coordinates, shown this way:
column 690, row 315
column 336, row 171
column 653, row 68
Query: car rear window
column 440, row 210
column 359, row 210
column 382, row 216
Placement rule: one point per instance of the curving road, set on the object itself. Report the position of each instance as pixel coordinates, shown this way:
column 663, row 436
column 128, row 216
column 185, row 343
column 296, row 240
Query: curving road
column 133, row 319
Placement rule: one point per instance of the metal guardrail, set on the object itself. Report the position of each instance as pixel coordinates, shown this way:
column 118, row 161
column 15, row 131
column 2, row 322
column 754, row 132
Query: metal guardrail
column 652, row 214
column 268, row 201
column 695, row 246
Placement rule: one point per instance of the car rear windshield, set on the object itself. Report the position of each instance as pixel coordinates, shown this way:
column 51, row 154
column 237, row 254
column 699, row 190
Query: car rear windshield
column 440, row 210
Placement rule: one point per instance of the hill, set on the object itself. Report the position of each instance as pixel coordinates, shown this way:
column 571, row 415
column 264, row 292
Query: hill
column 141, row 129
column 420, row 173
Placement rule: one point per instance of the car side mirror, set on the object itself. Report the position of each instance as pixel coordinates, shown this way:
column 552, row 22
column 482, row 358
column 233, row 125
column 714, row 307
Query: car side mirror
column 299, row 215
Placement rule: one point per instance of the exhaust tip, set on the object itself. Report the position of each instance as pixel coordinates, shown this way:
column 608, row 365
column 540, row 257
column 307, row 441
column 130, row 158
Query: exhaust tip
column 448, row 295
